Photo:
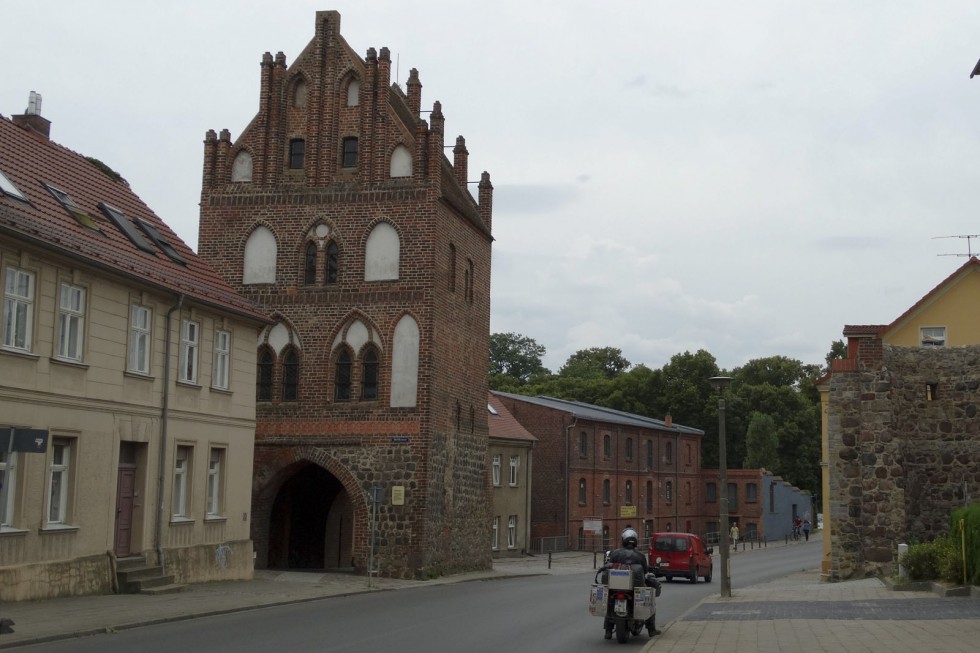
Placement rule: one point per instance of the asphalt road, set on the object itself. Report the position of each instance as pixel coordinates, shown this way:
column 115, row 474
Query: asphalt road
column 540, row 613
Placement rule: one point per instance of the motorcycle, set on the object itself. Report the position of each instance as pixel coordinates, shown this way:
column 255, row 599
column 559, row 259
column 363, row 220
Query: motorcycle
column 624, row 604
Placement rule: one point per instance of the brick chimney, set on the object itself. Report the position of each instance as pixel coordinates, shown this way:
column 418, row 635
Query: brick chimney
column 668, row 421
column 32, row 119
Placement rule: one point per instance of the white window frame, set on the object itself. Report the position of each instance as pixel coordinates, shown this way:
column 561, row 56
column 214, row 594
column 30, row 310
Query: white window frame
column 183, row 457
column 496, row 470
column 59, row 481
column 8, row 488
column 140, row 338
column 495, row 537
column 71, row 322
column 18, row 309
column 515, row 463
column 216, row 465
column 190, row 344
column 222, row 360
column 932, row 336
column 512, row 532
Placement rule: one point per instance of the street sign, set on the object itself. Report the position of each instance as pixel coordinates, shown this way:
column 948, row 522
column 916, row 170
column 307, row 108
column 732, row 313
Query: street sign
column 26, row 440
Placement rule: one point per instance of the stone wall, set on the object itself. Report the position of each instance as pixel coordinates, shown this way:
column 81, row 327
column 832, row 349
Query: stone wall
column 904, row 451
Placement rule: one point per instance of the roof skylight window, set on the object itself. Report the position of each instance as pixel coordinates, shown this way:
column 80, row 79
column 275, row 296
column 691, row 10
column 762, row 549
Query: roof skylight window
column 160, row 241
column 125, row 226
column 72, row 207
column 7, row 188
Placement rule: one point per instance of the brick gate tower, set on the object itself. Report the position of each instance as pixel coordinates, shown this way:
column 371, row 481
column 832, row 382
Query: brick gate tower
column 339, row 213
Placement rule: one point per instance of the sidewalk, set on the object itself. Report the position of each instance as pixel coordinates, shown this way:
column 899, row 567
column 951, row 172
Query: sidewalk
column 799, row 613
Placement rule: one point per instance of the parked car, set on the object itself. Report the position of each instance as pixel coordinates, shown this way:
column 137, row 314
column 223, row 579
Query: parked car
column 681, row 554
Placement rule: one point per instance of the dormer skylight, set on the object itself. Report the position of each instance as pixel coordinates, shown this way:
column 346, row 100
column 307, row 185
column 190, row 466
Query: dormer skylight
column 8, row 189
column 125, row 226
column 160, row 241
column 73, row 208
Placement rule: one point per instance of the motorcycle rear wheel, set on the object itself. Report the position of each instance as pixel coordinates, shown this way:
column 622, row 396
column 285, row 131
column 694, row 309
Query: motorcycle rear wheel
column 622, row 632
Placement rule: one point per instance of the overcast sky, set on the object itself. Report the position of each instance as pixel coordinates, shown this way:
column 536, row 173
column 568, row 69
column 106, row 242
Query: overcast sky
column 740, row 177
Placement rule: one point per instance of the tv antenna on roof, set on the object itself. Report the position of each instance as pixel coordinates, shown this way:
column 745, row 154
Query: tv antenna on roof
column 969, row 249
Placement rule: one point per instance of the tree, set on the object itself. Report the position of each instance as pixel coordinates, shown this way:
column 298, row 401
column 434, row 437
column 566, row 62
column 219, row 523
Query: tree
column 762, row 442
column 838, row 349
column 516, row 356
column 607, row 362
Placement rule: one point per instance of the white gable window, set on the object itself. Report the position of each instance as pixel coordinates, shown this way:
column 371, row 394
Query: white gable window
column 933, row 336
column 260, row 257
column 241, row 167
column 222, row 360
column 496, row 469
column 401, row 162
column 514, row 464
column 382, row 253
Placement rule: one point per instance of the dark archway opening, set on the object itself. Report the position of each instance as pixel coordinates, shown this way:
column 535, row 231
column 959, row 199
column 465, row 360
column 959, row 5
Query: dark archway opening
column 310, row 526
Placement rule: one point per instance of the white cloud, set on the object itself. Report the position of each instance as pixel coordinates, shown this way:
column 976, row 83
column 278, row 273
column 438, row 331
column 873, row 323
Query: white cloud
column 744, row 178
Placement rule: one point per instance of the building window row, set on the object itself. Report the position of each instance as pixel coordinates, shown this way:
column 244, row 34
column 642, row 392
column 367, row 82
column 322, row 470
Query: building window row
column 330, row 265
column 382, row 257
column 19, row 306
column 469, row 274
column 183, row 492
column 62, row 483
column 511, row 533
column 296, row 156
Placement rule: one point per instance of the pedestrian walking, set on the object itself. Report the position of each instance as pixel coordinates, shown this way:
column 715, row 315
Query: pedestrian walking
column 734, row 536
column 806, row 529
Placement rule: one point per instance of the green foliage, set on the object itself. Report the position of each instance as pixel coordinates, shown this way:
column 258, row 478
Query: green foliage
column 837, row 350
column 970, row 515
column 604, row 362
column 939, row 559
column 762, row 442
column 781, row 390
column 516, row 356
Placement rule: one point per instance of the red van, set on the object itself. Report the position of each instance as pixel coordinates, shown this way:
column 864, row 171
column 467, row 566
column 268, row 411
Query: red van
column 681, row 554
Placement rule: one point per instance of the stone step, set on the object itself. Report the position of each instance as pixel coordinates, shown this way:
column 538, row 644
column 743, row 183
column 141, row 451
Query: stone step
column 139, row 585
column 171, row 588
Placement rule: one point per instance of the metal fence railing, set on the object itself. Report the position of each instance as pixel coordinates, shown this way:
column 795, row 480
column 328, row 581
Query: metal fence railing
column 550, row 544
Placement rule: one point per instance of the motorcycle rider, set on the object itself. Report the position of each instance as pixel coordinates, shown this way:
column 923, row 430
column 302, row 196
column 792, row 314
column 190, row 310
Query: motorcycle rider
column 628, row 555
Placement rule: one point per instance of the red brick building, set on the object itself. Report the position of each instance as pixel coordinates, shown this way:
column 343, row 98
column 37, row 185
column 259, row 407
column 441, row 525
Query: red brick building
column 593, row 463
column 337, row 210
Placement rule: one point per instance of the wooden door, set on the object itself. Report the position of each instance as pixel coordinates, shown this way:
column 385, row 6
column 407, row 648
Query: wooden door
column 125, row 486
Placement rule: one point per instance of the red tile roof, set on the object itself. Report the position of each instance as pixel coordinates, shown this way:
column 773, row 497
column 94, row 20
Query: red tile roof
column 503, row 425
column 863, row 329
column 30, row 160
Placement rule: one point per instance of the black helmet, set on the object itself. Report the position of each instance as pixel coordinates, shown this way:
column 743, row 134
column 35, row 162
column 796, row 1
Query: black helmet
column 630, row 539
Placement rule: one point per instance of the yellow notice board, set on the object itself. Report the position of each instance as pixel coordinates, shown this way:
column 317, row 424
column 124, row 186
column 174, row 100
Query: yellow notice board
column 627, row 511
column 398, row 495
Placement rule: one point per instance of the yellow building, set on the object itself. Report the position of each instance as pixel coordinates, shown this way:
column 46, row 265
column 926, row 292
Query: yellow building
column 509, row 449
column 948, row 316
column 127, row 386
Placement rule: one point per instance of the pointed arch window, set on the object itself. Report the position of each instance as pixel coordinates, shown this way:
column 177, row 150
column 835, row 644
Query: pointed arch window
column 369, row 374
column 452, row 268
column 333, row 262
column 309, row 264
column 342, row 377
column 263, row 377
column 290, row 375
column 297, row 152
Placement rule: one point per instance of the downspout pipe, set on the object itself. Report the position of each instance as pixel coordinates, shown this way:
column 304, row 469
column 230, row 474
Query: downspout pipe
column 164, row 414
column 568, row 476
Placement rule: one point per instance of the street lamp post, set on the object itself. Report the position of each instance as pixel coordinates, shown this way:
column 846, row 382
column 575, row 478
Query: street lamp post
column 721, row 383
